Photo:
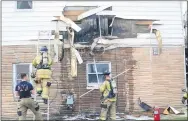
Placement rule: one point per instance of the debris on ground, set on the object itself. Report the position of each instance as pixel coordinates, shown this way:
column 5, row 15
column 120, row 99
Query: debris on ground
column 89, row 116
column 93, row 116
column 144, row 106
column 138, row 118
column 174, row 116
column 171, row 110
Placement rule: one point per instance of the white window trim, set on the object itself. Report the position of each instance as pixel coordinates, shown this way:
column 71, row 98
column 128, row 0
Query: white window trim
column 94, row 85
column 14, row 75
column 23, row 10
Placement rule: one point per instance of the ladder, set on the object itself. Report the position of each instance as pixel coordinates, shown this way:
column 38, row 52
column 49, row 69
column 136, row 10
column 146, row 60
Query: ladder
column 44, row 38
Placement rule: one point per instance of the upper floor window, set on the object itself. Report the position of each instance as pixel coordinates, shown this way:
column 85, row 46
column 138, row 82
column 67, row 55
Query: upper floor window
column 24, row 4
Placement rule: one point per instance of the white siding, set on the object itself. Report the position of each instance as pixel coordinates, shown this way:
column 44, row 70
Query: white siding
column 24, row 24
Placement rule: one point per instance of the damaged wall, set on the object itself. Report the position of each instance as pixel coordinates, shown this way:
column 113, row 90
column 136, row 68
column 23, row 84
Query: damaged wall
column 28, row 22
column 120, row 28
column 127, row 28
column 80, row 83
column 148, row 81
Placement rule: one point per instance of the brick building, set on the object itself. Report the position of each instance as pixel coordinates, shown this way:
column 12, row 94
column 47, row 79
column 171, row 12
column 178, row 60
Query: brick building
column 157, row 79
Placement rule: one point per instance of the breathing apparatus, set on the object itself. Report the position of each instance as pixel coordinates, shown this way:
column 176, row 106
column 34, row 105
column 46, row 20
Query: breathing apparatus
column 185, row 97
column 113, row 86
column 44, row 58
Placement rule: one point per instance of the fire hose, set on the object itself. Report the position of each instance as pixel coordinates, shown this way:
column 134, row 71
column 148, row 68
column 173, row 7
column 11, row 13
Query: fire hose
column 112, row 78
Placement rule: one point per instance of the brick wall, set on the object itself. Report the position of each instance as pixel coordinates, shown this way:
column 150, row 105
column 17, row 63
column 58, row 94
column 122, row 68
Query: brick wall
column 156, row 82
column 159, row 81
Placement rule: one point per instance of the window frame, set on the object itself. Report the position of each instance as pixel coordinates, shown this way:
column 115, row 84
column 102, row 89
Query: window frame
column 17, row 9
column 92, row 85
column 14, row 82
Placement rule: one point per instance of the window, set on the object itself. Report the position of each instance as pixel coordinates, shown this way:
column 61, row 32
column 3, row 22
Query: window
column 17, row 70
column 24, row 4
column 92, row 81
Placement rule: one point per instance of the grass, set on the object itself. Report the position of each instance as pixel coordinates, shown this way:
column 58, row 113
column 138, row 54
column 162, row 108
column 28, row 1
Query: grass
column 180, row 118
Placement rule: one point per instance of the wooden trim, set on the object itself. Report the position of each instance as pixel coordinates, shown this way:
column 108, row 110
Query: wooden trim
column 73, row 12
column 73, row 18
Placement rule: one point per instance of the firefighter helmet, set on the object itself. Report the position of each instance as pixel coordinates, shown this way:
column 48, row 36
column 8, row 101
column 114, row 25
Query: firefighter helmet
column 106, row 73
column 43, row 49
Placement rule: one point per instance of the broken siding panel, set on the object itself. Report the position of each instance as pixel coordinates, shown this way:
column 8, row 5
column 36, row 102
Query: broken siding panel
column 127, row 28
column 123, row 29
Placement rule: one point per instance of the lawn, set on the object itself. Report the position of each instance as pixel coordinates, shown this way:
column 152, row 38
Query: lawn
column 181, row 118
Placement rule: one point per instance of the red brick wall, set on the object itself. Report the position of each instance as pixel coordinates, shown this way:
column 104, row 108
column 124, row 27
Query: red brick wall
column 157, row 83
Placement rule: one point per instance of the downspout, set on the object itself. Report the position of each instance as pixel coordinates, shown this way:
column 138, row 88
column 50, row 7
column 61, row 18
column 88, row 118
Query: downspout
column 185, row 73
column 99, row 25
column 187, row 44
column 56, row 42
column 151, row 69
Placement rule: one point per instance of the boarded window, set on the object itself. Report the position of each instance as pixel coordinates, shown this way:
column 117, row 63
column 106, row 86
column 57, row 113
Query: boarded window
column 24, row 4
column 92, row 74
column 17, row 70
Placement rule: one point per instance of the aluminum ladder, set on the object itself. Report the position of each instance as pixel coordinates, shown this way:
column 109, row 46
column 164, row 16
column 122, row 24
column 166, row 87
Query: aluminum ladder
column 44, row 38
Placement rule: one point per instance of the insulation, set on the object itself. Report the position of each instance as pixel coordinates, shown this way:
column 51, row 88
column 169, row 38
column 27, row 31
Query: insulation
column 73, row 56
column 159, row 39
column 73, row 63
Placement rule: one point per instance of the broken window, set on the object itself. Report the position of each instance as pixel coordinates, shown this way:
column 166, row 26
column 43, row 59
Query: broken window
column 17, row 70
column 24, row 4
column 92, row 74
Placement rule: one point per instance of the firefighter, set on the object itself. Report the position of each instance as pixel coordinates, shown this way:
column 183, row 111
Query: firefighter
column 24, row 90
column 185, row 97
column 108, row 98
column 43, row 64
